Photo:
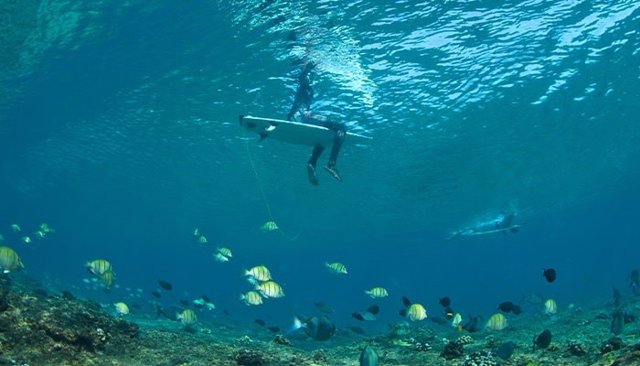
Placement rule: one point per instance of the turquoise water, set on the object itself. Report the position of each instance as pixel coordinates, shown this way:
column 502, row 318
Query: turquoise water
column 118, row 127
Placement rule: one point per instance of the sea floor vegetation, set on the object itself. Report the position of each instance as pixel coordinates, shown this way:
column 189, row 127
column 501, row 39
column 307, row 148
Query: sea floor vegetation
column 41, row 327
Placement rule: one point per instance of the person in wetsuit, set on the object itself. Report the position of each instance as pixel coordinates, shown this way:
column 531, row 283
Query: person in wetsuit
column 301, row 109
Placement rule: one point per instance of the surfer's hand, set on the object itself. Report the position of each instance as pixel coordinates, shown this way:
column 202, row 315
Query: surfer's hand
column 308, row 67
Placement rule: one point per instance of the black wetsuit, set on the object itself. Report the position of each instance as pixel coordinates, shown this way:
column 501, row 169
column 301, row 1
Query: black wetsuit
column 302, row 106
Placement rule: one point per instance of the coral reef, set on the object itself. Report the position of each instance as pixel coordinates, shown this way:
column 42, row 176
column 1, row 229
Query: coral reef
column 482, row 358
column 246, row 357
column 400, row 329
column 576, row 349
column 281, row 340
column 40, row 327
column 465, row 339
column 612, row 344
column 452, row 350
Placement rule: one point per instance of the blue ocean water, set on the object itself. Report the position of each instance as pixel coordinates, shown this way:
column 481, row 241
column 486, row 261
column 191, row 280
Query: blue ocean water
column 119, row 128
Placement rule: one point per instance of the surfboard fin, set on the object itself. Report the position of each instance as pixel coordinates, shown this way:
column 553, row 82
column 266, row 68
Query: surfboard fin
column 265, row 134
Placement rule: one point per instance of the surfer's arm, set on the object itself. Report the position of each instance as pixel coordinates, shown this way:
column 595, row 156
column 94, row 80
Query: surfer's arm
column 304, row 93
column 294, row 109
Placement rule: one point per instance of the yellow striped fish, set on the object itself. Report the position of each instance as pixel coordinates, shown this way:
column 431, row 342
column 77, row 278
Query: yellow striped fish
column 251, row 298
column 269, row 226
column 550, row 307
column 270, row 289
column 98, row 266
column 45, row 228
column 457, row 321
column 220, row 258
column 108, row 278
column 497, row 322
column 377, row 292
column 9, row 260
column 187, row 317
column 121, row 308
column 260, row 273
column 337, row 267
column 225, row 251
column 15, row 228
column 416, row 312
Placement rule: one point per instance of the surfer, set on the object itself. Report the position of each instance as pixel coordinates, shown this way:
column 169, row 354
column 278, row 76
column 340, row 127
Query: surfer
column 502, row 223
column 301, row 109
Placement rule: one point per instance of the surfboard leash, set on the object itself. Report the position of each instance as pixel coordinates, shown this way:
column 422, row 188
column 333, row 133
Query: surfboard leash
column 264, row 196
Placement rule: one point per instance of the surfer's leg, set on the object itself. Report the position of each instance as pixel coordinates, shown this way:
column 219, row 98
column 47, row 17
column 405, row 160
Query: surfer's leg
column 335, row 149
column 313, row 161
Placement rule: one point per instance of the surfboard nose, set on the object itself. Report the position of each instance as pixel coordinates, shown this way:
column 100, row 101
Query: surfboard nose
column 244, row 123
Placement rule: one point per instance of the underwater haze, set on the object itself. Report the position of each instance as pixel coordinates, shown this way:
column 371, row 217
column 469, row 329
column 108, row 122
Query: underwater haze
column 119, row 128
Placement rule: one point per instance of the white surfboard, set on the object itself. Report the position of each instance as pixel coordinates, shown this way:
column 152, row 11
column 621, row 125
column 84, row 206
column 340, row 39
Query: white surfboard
column 295, row 132
column 470, row 232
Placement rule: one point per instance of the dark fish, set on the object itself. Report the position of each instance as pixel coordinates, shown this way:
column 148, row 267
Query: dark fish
column 274, row 329
column 364, row 316
column 319, row 328
column 136, row 306
column 505, row 350
column 445, row 301
column 406, row 302
column 505, row 306
column 226, row 312
column 617, row 321
column 634, row 282
column 368, row 315
column 184, row 302
column 509, row 307
column 449, row 313
column 549, row 274
column 617, row 298
column 369, row 357
column 323, row 307
column 373, row 309
column 156, row 293
column 543, row 340
column 472, row 324
column 68, row 295
column 516, row 310
column 357, row 330
column 206, row 298
column 165, row 285
column 260, row 322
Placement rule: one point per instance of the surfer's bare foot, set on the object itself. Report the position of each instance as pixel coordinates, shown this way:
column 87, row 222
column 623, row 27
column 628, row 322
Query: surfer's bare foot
column 333, row 171
column 311, row 172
